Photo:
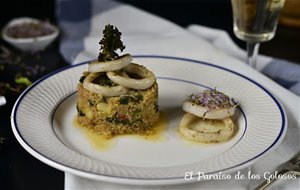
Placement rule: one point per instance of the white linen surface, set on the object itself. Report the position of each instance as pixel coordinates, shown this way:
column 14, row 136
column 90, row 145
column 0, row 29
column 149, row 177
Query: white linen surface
column 147, row 34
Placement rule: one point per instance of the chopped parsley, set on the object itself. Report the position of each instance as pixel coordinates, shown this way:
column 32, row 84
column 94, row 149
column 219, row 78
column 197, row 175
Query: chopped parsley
column 82, row 79
column 103, row 80
column 79, row 111
column 125, row 99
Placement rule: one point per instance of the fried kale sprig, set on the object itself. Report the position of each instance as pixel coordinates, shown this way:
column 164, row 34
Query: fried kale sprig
column 110, row 43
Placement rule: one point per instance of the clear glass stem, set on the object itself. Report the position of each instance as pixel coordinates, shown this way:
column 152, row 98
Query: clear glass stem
column 252, row 52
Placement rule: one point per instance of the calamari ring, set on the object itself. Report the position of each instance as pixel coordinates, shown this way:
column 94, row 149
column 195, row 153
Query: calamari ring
column 191, row 128
column 146, row 81
column 207, row 113
column 104, row 90
column 113, row 65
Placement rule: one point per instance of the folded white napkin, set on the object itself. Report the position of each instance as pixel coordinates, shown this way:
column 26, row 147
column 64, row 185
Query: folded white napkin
column 147, row 34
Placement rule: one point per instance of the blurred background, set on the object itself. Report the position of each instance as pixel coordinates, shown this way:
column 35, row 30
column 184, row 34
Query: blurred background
column 212, row 13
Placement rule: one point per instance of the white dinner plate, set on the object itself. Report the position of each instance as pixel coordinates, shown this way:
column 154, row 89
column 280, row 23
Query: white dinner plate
column 43, row 123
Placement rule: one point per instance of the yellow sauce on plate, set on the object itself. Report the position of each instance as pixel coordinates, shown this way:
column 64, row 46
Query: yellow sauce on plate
column 103, row 144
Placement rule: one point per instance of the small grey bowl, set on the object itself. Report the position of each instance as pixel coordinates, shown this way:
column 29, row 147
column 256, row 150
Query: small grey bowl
column 32, row 44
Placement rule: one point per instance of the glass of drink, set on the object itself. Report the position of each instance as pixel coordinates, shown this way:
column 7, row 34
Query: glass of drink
column 255, row 21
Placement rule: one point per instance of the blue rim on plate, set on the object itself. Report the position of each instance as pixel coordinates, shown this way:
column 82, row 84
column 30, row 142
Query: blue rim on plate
column 278, row 139
column 166, row 78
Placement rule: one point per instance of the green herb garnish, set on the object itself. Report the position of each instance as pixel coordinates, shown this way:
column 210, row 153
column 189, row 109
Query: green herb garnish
column 125, row 99
column 103, row 80
column 92, row 102
column 82, row 79
column 110, row 43
column 79, row 111
column 23, row 80
column 138, row 98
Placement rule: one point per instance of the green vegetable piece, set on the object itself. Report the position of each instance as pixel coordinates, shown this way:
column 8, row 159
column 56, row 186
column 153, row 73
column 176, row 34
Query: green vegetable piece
column 103, row 80
column 124, row 100
column 92, row 102
column 156, row 107
column 82, row 79
column 79, row 111
column 110, row 42
column 23, row 80
column 138, row 98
